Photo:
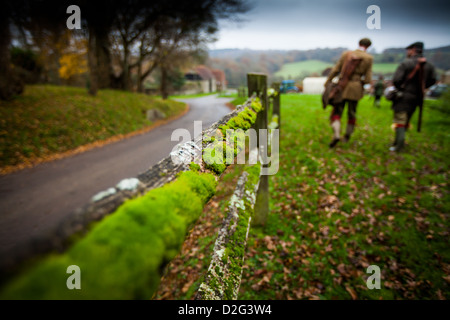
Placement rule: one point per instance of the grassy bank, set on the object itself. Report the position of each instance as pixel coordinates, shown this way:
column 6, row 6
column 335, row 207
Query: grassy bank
column 52, row 119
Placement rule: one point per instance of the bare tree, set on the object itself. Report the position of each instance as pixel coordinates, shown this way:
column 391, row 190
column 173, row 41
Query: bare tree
column 10, row 85
column 143, row 34
column 180, row 33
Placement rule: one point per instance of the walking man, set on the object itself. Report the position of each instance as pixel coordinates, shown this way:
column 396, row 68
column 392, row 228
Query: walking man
column 353, row 89
column 378, row 90
column 411, row 79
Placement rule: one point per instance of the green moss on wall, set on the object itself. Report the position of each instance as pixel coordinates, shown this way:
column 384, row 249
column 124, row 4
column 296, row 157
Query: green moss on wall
column 122, row 256
column 214, row 157
column 256, row 105
column 244, row 120
column 194, row 167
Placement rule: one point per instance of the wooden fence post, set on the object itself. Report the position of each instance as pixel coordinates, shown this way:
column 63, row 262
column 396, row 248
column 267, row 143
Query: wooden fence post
column 257, row 83
column 276, row 103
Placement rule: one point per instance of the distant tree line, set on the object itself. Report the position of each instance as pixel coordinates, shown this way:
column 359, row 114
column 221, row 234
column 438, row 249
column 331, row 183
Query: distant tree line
column 237, row 63
column 120, row 43
column 440, row 57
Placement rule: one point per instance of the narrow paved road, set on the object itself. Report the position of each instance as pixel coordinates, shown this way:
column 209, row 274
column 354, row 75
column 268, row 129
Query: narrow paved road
column 35, row 200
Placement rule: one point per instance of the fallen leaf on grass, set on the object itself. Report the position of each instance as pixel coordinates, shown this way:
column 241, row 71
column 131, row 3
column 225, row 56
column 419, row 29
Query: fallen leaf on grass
column 265, row 279
column 187, row 285
column 352, row 293
column 341, row 269
column 269, row 243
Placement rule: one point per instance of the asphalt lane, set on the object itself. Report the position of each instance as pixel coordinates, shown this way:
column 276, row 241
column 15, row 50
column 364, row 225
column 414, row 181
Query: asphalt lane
column 34, row 201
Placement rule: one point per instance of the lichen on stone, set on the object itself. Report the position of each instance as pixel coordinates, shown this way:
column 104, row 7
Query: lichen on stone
column 104, row 194
column 225, row 271
column 128, row 184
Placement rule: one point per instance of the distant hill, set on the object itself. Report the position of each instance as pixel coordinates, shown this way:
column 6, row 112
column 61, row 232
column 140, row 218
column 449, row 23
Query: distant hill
column 237, row 53
column 283, row 64
column 439, row 57
column 427, row 51
column 323, row 54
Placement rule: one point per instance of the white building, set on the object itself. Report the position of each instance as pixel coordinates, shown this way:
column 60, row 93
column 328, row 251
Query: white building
column 314, row 85
column 199, row 80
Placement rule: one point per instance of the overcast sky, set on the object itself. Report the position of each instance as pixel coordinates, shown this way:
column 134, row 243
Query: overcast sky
column 310, row 24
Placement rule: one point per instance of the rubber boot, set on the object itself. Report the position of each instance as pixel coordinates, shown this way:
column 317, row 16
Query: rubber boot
column 399, row 141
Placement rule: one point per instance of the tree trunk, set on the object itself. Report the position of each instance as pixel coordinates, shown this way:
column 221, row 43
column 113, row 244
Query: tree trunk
column 54, row 59
column 5, row 38
column 126, row 66
column 103, row 57
column 145, row 74
column 92, row 60
column 10, row 83
column 164, row 91
column 140, row 81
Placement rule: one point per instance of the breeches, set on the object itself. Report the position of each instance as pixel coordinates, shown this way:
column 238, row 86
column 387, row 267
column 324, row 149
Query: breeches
column 339, row 109
column 401, row 118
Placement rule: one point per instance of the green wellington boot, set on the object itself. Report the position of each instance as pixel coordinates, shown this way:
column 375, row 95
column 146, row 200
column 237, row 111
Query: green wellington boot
column 399, row 142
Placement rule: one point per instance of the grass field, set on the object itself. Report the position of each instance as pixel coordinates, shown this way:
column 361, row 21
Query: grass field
column 384, row 68
column 333, row 213
column 304, row 68
column 51, row 119
column 295, row 69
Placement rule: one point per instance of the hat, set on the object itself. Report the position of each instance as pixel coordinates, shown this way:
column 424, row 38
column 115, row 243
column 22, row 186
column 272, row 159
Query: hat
column 416, row 45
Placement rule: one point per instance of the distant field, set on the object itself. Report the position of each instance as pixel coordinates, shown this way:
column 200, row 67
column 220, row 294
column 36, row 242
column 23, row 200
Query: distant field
column 384, row 67
column 295, row 69
column 303, row 68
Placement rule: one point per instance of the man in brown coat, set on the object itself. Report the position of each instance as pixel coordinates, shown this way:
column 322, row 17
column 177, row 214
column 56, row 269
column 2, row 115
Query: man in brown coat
column 353, row 91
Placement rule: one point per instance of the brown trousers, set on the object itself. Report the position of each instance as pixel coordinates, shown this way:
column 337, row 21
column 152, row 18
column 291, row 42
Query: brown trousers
column 338, row 110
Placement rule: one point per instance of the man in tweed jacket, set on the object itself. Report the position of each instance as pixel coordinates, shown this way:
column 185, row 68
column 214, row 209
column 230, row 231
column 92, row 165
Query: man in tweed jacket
column 353, row 91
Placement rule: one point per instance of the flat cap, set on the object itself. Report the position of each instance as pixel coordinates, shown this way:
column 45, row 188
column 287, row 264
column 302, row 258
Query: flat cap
column 417, row 45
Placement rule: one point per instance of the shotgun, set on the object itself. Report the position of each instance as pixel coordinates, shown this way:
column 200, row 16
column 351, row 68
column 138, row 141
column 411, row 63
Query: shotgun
column 421, row 63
